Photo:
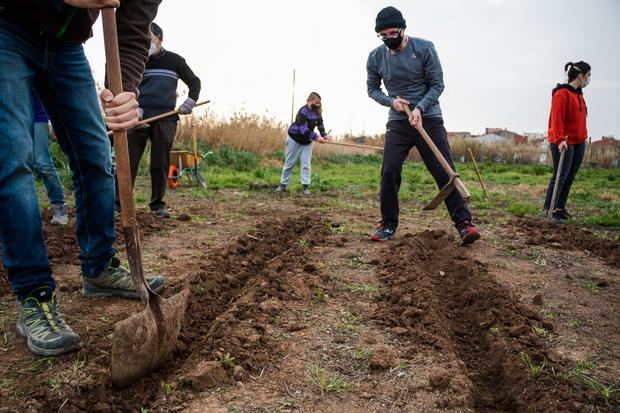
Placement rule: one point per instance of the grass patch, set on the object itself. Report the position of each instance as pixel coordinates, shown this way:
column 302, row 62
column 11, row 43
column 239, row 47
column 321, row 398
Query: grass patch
column 532, row 367
column 323, row 380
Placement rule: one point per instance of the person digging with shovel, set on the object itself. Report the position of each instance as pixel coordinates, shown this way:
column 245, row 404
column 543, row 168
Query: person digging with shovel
column 41, row 49
column 411, row 72
column 567, row 133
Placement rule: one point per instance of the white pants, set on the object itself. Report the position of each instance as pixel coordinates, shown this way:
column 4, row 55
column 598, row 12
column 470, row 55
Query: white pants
column 293, row 151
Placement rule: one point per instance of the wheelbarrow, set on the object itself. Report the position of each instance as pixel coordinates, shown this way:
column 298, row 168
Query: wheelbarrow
column 186, row 163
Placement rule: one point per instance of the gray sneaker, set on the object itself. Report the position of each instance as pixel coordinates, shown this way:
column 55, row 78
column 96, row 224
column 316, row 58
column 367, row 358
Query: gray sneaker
column 281, row 188
column 46, row 332
column 305, row 189
column 60, row 214
column 116, row 281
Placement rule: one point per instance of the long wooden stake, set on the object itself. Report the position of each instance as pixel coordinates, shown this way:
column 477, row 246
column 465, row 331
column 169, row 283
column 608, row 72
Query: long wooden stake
column 471, row 154
column 353, row 145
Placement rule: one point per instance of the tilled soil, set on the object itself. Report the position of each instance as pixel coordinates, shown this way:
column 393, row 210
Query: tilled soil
column 539, row 232
column 294, row 310
column 234, row 292
column 438, row 296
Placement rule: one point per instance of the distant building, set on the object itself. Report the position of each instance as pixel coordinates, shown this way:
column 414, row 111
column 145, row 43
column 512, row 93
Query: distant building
column 490, row 138
column 509, row 135
column 459, row 135
column 606, row 141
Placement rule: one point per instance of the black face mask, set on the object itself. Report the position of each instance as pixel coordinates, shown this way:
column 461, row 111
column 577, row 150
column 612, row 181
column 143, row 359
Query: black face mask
column 315, row 108
column 394, row 43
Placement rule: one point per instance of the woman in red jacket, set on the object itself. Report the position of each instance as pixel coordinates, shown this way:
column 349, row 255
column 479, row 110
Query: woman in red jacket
column 567, row 132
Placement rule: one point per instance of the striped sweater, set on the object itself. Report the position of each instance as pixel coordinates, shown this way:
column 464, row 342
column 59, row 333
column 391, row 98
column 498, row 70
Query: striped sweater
column 302, row 130
column 158, row 90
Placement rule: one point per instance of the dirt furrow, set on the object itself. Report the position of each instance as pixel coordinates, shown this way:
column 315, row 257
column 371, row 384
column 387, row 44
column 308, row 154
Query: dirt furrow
column 440, row 297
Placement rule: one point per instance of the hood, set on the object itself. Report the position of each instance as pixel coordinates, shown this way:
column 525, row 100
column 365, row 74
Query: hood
column 561, row 86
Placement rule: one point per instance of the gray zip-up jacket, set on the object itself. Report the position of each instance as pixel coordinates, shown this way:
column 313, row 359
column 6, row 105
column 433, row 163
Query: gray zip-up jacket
column 414, row 74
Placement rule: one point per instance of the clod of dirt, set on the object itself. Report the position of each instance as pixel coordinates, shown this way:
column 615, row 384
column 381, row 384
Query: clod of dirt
column 207, row 375
column 310, row 268
column 537, row 300
column 440, row 380
column 382, row 357
column 340, row 339
column 239, row 373
column 184, row 218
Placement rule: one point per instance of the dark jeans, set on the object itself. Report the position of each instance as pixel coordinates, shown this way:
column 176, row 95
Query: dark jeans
column 400, row 137
column 161, row 134
column 61, row 77
column 572, row 162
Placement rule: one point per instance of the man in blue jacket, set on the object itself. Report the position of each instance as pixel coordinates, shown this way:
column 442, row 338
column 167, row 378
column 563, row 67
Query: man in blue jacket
column 411, row 73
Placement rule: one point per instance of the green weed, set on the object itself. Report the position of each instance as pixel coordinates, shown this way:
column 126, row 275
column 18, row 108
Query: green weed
column 323, row 380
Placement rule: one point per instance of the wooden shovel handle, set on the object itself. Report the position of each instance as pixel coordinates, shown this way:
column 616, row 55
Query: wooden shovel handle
column 444, row 164
column 123, row 173
column 166, row 115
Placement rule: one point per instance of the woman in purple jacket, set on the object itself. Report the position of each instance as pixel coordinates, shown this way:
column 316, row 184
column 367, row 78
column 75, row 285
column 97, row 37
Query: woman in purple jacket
column 299, row 141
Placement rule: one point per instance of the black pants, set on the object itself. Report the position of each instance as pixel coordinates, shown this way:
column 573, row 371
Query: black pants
column 400, row 137
column 161, row 135
column 572, row 162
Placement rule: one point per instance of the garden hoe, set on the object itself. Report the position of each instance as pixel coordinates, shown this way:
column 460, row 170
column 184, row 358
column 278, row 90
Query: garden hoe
column 143, row 341
column 554, row 197
column 454, row 181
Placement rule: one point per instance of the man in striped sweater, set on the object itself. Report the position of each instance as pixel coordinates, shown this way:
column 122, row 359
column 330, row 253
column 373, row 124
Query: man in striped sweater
column 158, row 94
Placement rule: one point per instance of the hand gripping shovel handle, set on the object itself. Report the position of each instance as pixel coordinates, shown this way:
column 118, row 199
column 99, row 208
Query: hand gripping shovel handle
column 458, row 184
column 128, row 212
column 556, row 185
column 146, row 121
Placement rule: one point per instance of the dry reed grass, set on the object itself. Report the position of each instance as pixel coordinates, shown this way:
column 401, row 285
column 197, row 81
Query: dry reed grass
column 264, row 135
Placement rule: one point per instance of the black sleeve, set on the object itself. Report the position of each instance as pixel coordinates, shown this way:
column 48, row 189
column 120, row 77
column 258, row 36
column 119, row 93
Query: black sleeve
column 133, row 20
column 190, row 79
column 321, row 127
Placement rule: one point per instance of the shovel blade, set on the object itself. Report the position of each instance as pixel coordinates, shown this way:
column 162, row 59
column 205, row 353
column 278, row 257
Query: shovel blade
column 441, row 196
column 144, row 341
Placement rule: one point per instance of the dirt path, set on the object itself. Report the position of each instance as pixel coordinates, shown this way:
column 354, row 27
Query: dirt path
column 294, row 310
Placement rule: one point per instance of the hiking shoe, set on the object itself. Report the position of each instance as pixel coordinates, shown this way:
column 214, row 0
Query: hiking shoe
column 468, row 232
column 383, row 233
column 46, row 332
column 162, row 213
column 558, row 218
column 60, row 214
column 563, row 214
column 116, row 281
column 281, row 188
column 305, row 189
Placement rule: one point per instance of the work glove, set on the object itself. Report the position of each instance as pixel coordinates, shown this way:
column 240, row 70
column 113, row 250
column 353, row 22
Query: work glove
column 187, row 106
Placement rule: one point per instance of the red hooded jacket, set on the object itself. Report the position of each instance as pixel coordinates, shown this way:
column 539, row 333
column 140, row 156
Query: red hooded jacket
column 568, row 115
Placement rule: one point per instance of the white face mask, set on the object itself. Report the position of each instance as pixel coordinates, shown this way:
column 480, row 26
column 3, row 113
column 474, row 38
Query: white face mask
column 152, row 49
column 586, row 82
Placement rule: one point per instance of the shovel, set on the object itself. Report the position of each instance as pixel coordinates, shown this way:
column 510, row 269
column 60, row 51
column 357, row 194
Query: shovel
column 143, row 341
column 454, row 181
column 556, row 185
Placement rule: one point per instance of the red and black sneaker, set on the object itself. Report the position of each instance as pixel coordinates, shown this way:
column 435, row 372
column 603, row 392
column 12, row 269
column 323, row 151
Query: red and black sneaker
column 383, row 233
column 468, row 232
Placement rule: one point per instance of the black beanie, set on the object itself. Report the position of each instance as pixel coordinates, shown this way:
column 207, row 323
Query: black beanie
column 157, row 31
column 389, row 17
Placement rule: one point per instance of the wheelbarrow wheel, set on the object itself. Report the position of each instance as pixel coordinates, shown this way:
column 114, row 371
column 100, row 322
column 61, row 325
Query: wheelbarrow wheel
column 174, row 177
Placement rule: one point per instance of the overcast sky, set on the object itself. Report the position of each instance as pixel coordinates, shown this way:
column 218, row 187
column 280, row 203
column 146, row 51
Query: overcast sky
column 500, row 58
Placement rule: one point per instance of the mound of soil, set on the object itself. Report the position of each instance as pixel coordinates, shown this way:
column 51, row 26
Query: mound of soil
column 539, row 232
column 437, row 296
column 237, row 291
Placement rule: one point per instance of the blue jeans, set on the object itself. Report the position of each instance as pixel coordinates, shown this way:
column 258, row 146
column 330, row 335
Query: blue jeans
column 570, row 167
column 61, row 77
column 44, row 166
